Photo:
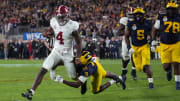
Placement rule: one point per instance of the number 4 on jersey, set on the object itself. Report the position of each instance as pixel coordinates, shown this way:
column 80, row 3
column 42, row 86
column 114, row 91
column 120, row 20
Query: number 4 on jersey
column 59, row 37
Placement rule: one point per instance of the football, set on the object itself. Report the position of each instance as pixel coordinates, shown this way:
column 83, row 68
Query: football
column 48, row 33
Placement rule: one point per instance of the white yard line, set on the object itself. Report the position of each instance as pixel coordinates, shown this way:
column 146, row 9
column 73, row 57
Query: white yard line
column 20, row 65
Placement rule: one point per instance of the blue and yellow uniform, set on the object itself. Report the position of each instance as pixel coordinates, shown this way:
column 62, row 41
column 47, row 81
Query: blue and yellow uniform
column 169, row 38
column 139, row 33
column 96, row 71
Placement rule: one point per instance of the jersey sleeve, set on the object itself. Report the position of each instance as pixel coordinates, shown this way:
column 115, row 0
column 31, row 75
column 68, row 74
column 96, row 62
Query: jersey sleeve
column 75, row 26
column 52, row 22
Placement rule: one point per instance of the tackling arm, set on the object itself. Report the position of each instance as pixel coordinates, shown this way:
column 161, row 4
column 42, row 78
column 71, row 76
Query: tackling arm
column 48, row 33
column 127, row 35
column 73, row 84
column 121, row 30
column 153, row 33
column 78, row 43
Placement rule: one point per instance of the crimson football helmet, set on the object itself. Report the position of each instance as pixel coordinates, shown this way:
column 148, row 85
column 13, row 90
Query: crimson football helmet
column 62, row 14
column 130, row 13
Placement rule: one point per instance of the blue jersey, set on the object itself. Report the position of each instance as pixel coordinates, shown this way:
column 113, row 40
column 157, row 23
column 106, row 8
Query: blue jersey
column 90, row 69
column 139, row 32
column 169, row 29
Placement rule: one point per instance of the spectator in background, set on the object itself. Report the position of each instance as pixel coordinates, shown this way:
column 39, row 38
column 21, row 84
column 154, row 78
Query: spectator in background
column 33, row 25
column 102, row 48
column 113, row 48
column 90, row 46
column 42, row 54
column 7, row 27
column 26, row 53
column 35, row 47
column 107, row 51
column 10, row 49
column 30, row 47
column 6, row 49
column 20, row 47
column 1, row 50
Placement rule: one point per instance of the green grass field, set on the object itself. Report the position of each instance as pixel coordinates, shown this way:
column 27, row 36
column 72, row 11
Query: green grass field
column 18, row 75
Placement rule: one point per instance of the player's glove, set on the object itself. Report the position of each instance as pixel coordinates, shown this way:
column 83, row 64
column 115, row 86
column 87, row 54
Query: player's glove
column 152, row 49
column 59, row 79
column 131, row 51
column 153, row 43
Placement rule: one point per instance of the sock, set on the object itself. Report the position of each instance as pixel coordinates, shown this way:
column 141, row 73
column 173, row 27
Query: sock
column 133, row 68
column 177, row 78
column 124, row 69
column 112, row 82
column 150, row 80
column 52, row 74
column 32, row 91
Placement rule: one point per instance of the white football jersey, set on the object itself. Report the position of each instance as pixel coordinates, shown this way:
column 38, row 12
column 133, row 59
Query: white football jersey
column 63, row 34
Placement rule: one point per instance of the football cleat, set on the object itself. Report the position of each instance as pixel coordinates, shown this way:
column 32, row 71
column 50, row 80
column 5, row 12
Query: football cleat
column 177, row 85
column 133, row 73
column 151, row 85
column 169, row 75
column 121, row 81
column 28, row 95
column 83, row 88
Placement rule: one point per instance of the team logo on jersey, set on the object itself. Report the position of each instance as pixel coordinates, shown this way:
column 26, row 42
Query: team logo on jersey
column 165, row 18
column 134, row 27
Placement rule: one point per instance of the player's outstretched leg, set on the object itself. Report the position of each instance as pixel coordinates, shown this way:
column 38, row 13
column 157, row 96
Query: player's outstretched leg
column 133, row 72
column 37, row 82
column 124, row 69
column 177, row 75
column 167, row 67
column 148, row 70
column 118, row 79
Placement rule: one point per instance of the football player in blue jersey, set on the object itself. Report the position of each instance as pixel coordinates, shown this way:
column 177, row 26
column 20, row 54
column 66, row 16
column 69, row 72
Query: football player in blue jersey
column 169, row 26
column 138, row 29
column 96, row 71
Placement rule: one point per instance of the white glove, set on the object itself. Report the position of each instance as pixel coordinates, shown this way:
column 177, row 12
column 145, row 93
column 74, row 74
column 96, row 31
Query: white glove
column 59, row 79
column 153, row 43
column 131, row 51
column 52, row 74
column 153, row 49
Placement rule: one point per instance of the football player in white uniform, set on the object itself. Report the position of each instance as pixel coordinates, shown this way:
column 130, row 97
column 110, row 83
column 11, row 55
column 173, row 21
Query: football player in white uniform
column 65, row 30
column 126, row 55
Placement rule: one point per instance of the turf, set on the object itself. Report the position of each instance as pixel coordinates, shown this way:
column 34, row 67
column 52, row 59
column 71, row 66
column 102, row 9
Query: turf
column 18, row 75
